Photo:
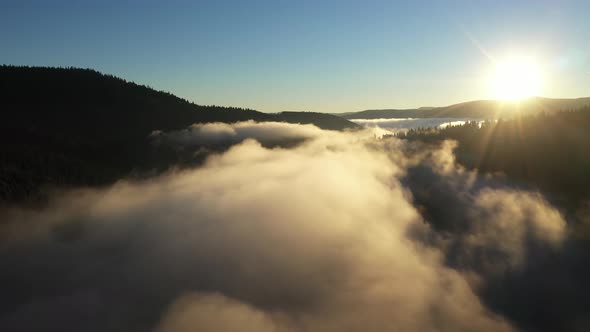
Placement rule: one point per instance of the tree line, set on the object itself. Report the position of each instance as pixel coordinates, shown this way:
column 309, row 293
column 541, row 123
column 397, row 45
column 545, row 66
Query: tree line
column 548, row 151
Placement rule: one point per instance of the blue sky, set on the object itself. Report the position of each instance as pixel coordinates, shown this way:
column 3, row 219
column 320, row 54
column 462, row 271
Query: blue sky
column 327, row 56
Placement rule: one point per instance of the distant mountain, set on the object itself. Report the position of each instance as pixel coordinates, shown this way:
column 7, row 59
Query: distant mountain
column 486, row 109
column 77, row 127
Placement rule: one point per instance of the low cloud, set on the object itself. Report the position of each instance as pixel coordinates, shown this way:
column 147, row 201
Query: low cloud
column 403, row 124
column 223, row 134
column 342, row 231
column 215, row 312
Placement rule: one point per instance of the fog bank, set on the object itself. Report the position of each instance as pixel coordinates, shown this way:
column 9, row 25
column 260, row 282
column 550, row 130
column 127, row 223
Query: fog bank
column 340, row 232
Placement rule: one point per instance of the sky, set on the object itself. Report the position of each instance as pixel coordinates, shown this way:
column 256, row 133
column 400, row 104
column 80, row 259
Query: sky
column 323, row 56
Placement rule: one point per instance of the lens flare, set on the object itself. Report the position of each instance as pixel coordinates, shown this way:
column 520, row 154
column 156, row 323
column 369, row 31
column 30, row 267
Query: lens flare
column 515, row 79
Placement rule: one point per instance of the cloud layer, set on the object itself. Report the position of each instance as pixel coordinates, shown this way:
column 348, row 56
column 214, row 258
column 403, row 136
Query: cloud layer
column 403, row 124
column 223, row 134
column 342, row 232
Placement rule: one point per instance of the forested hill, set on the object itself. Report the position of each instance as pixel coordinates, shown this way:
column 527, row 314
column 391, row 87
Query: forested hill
column 548, row 151
column 86, row 103
column 483, row 109
column 66, row 127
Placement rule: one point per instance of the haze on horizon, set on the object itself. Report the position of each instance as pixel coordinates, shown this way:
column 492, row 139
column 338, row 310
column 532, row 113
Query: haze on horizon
column 333, row 56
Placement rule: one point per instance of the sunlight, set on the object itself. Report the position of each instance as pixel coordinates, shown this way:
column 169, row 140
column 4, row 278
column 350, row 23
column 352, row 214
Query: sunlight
column 515, row 79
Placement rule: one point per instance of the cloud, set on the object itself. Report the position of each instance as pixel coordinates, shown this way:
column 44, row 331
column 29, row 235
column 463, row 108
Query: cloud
column 513, row 247
column 403, row 124
column 223, row 134
column 214, row 312
column 336, row 233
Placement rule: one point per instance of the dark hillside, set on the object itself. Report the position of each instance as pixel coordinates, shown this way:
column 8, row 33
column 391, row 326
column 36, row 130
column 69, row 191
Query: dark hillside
column 548, row 151
column 78, row 127
column 87, row 104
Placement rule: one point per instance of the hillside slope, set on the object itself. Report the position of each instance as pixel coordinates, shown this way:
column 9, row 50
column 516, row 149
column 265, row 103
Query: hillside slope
column 77, row 127
column 548, row 152
column 85, row 103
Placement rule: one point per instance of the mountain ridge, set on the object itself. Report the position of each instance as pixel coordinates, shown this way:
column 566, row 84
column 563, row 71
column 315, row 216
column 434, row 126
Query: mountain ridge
column 71, row 127
column 487, row 109
column 63, row 97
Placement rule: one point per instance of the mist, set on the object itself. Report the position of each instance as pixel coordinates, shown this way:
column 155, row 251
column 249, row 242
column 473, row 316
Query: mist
column 223, row 134
column 403, row 124
column 343, row 231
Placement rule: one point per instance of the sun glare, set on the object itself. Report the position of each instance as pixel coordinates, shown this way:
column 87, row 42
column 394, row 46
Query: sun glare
column 515, row 79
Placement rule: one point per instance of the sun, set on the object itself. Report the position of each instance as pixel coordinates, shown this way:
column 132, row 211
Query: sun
column 515, row 79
